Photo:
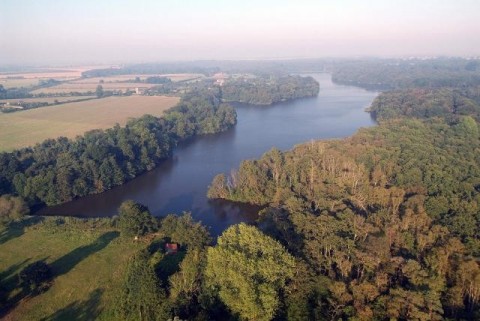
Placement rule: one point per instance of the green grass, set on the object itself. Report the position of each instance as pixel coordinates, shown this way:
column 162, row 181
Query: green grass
column 87, row 258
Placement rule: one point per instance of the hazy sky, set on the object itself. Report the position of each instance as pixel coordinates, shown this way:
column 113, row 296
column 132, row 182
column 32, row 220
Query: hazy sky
column 112, row 31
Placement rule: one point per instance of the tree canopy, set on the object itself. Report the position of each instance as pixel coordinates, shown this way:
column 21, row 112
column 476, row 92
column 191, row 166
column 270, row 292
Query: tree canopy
column 135, row 219
column 249, row 269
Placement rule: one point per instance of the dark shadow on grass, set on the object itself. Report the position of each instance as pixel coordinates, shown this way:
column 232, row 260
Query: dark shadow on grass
column 10, row 271
column 16, row 229
column 79, row 310
column 67, row 262
column 10, row 282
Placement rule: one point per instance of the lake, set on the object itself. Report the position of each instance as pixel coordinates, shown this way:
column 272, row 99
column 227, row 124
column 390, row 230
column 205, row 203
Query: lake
column 180, row 184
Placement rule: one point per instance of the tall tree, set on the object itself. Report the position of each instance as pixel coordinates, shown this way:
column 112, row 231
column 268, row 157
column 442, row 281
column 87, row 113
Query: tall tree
column 12, row 208
column 249, row 269
column 135, row 219
column 99, row 91
column 141, row 296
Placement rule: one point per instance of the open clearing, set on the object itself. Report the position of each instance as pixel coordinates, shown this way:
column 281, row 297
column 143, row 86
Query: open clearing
column 26, row 128
column 87, row 263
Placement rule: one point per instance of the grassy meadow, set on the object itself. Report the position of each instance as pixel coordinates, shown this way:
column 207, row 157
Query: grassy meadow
column 26, row 128
column 87, row 260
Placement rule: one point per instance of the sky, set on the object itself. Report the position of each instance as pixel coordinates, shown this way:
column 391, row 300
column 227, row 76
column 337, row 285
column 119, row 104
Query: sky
column 123, row 31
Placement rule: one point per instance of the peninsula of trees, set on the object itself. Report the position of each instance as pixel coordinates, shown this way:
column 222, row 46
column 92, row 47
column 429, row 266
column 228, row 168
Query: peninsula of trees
column 268, row 90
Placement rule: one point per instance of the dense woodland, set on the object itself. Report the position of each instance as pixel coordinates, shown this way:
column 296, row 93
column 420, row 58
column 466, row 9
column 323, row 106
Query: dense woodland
column 448, row 103
column 384, row 224
column 392, row 74
column 269, row 90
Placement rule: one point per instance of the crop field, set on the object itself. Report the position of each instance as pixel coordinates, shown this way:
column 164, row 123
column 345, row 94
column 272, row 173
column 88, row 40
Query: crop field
column 49, row 100
column 173, row 77
column 86, row 87
column 19, row 82
column 110, row 83
column 32, row 78
column 26, row 128
column 73, row 72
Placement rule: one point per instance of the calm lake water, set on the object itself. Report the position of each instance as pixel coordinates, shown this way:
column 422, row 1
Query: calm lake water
column 180, row 183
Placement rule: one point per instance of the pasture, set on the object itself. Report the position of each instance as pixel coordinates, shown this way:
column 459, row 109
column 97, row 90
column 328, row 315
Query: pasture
column 26, row 128
column 87, row 259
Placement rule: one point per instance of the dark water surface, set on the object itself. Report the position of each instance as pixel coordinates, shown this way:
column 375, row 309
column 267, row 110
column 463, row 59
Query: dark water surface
column 180, row 184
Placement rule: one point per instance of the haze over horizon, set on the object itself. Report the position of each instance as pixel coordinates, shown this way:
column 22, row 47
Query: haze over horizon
column 75, row 32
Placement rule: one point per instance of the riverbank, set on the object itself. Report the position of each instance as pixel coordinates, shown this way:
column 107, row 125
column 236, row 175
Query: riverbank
column 180, row 183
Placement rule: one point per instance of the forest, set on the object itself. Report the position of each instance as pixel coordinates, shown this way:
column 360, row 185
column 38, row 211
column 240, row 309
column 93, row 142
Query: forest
column 269, row 90
column 384, row 224
column 389, row 74
column 447, row 103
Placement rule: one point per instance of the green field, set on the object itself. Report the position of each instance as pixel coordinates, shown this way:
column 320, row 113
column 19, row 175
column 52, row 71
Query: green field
column 87, row 260
column 26, row 128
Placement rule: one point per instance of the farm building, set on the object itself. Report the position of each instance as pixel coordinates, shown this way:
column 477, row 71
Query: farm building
column 171, row 248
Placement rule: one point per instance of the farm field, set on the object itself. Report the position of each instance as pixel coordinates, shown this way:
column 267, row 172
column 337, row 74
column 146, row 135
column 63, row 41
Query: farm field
column 173, row 77
column 110, row 83
column 86, row 87
column 87, row 263
column 49, row 100
column 32, row 78
column 19, row 82
column 26, row 128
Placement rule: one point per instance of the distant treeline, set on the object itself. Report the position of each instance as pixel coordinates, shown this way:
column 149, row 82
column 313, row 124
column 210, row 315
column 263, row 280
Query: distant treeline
column 384, row 224
column 165, row 68
column 447, row 103
column 399, row 74
column 14, row 93
column 59, row 170
column 269, row 90
column 255, row 90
